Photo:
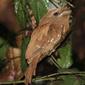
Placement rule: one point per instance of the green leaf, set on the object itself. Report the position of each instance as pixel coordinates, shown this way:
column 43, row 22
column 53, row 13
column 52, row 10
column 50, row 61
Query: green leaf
column 21, row 11
column 39, row 8
column 65, row 59
column 23, row 51
column 59, row 3
column 70, row 80
column 3, row 48
column 82, row 81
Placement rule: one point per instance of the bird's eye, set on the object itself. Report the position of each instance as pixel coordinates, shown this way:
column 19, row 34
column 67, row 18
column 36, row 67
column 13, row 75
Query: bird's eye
column 56, row 14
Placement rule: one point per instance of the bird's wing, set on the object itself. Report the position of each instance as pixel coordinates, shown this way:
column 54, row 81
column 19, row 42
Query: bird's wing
column 43, row 40
column 40, row 45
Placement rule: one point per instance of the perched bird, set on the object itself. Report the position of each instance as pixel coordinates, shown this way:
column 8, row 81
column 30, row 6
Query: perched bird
column 51, row 31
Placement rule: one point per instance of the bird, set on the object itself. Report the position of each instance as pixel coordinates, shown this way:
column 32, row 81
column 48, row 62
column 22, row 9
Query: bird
column 47, row 36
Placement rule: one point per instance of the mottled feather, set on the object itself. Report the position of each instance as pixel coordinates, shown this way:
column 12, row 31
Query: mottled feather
column 49, row 34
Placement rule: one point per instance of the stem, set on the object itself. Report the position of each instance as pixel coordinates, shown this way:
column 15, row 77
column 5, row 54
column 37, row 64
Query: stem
column 56, row 5
column 12, row 82
column 59, row 74
column 44, row 78
column 55, row 62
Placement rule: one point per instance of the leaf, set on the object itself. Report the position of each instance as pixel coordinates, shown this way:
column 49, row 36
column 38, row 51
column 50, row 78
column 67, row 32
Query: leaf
column 39, row 8
column 21, row 12
column 3, row 48
column 82, row 81
column 22, row 15
column 65, row 59
column 70, row 80
column 3, row 51
column 23, row 50
column 59, row 3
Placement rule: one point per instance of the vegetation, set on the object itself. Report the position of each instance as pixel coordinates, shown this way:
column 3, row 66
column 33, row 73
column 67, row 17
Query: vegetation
column 65, row 75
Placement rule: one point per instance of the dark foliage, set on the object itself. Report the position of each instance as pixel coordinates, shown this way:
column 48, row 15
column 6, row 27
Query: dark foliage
column 7, row 35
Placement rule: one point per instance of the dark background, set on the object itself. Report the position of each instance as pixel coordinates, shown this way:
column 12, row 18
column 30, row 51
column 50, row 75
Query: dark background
column 78, row 37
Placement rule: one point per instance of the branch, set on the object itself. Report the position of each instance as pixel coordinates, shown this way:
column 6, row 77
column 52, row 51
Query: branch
column 44, row 78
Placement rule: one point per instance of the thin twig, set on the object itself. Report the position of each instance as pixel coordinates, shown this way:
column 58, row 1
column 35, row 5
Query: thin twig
column 61, row 73
column 54, row 61
column 12, row 82
column 56, row 5
column 48, row 77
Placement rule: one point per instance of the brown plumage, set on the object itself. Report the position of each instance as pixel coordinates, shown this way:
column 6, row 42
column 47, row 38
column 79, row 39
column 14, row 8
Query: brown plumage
column 51, row 31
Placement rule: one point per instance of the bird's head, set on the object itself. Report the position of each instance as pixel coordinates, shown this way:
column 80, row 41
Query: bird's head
column 59, row 12
column 56, row 14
